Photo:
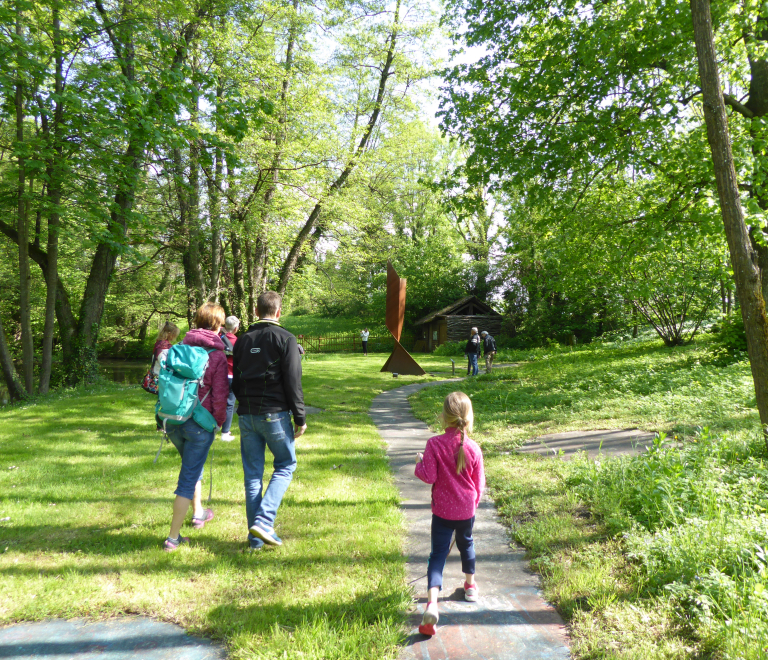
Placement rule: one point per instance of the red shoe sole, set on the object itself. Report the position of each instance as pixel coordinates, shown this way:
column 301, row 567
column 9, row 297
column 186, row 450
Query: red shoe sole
column 427, row 630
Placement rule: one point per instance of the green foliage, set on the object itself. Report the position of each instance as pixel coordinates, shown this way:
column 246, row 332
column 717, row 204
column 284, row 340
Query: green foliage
column 693, row 520
column 732, row 335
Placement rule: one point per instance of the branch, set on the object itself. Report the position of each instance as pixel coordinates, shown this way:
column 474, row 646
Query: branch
column 738, row 107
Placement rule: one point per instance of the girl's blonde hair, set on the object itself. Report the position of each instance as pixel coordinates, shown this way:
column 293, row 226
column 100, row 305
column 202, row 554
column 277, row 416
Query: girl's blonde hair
column 457, row 413
column 169, row 332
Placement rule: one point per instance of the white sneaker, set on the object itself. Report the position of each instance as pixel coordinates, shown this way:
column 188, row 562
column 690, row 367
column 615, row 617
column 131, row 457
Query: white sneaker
column 470, row 592
column 227, row 437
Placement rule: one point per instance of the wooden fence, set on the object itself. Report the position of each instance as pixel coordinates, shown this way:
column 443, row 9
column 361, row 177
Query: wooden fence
column 351, row 343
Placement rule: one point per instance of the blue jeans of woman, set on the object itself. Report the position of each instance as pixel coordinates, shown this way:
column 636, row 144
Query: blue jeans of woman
column 442, row 531
column 192, row 442
column 257, row 432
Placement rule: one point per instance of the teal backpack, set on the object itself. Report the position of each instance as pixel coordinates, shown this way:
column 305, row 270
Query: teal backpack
column 181, row 376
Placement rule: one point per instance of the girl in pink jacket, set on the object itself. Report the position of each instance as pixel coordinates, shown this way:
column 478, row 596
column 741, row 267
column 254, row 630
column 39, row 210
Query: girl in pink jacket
column 453, row 464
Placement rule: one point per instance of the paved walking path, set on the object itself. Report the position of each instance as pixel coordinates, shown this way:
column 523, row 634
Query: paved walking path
column 126, row 638
column 511, row 620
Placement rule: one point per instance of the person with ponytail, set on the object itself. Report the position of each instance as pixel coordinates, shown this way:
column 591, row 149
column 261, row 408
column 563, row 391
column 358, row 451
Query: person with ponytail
column 453, row 464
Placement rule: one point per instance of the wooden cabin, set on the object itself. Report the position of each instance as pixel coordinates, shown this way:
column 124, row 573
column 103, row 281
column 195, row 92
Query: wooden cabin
column 454, row 322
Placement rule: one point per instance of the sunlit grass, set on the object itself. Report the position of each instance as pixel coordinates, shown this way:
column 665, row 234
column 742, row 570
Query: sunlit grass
column 89, row 511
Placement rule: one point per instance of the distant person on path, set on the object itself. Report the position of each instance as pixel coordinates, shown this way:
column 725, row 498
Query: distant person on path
column 364, row 334
column 190, row 439
column 489, row 350
column 453, row 464
column 267, row 383
column 229, row 337
column 472, row 350
column 165, row 339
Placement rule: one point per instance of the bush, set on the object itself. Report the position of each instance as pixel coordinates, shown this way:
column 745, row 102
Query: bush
column 693, row 520
column 732, row 334
column 450, row 349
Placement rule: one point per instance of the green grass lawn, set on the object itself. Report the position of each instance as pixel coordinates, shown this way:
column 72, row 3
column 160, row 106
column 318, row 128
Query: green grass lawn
column 319, row 324
column 89, row 512
column 661, row 556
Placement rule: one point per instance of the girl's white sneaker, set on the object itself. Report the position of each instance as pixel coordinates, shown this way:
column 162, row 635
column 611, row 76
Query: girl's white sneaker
column 470, row 592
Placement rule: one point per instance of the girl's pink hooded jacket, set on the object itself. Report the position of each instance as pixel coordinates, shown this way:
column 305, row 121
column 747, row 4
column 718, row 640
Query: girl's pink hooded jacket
column 215, row 380
column 454, row 496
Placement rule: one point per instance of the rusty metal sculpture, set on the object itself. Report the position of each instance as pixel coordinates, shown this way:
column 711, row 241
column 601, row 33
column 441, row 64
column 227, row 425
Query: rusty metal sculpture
column 400, row 361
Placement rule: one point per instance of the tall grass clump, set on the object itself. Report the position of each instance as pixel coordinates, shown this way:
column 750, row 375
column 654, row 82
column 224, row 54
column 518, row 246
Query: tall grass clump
column 693, row 520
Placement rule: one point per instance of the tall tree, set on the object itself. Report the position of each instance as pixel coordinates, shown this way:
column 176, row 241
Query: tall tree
column 746, row 271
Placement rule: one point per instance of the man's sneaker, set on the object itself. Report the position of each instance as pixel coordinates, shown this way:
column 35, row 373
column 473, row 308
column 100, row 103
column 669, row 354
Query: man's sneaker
column 470, row 592
column 429, row 620
column 173, row 544
column 254, row 545
column 199, row 523
column 265, row 534
column 227, row 437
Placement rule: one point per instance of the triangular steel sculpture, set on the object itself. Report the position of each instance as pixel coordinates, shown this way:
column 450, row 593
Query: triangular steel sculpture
column 400, row 362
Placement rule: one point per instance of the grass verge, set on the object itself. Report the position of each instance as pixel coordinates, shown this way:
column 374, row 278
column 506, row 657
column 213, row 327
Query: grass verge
column 657, row 556
column 89, row 511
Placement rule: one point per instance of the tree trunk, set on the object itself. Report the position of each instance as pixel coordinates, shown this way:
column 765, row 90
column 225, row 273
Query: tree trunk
column 54, row 199
column 15, row 388
column 298, row 245
column 746, row 274
column 238, row 284
column 22, row 219
column 214, row 212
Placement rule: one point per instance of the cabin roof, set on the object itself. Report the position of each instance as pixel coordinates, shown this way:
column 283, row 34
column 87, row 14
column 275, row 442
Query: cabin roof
column 461, row 308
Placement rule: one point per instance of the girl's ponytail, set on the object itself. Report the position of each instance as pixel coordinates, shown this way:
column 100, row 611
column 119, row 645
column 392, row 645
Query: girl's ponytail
column 461, row 457
column 457, row 413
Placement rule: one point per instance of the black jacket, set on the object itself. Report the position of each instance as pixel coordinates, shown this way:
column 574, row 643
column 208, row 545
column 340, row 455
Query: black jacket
column 473, row 345
column 267, row 372
column 489, row 344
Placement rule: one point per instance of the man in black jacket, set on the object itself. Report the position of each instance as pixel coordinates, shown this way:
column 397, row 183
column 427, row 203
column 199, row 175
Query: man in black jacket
column 489, row 349
column 267, row 382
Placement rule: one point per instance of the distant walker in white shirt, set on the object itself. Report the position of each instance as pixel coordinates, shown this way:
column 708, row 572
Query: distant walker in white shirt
column 364, row 336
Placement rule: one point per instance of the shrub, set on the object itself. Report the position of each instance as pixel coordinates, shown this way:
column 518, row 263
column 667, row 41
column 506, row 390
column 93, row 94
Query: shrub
column 450, row 349
column 693, row 519
column 732, row 334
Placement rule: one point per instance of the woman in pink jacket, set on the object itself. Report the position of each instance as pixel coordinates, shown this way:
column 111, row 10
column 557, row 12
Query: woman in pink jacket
column 453, row 464
column 190, row 439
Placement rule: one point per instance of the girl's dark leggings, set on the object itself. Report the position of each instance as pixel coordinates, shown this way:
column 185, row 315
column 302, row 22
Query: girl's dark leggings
column 442, row 530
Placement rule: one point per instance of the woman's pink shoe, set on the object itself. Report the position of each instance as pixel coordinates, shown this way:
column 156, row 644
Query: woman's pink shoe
column 199, row 523
column 429, row 620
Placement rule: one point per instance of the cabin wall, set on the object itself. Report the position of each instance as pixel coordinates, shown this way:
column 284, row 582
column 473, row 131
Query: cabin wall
column 459, row 327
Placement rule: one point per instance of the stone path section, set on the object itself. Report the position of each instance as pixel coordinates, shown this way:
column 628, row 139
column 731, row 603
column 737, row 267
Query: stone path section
column 126, row 638
column 511, row 620
column 621, row 442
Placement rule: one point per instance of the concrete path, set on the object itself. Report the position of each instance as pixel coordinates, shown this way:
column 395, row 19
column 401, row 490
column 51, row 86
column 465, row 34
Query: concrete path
column 621, row 442
column 511, row 620
column 126, row 638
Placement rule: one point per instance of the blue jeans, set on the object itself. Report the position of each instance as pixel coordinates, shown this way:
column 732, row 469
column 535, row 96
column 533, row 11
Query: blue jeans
column 230, row 409
column 257, row 432
column 442, row 530
column 473, row 362
column 193, row 443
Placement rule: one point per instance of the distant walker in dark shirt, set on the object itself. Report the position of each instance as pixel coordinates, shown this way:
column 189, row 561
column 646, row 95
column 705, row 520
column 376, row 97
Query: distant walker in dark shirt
column 489, row 350
column 267, row 383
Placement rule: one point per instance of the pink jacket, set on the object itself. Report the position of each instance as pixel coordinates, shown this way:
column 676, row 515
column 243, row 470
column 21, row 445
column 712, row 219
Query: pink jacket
column 215, row 380
column 454, row 496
